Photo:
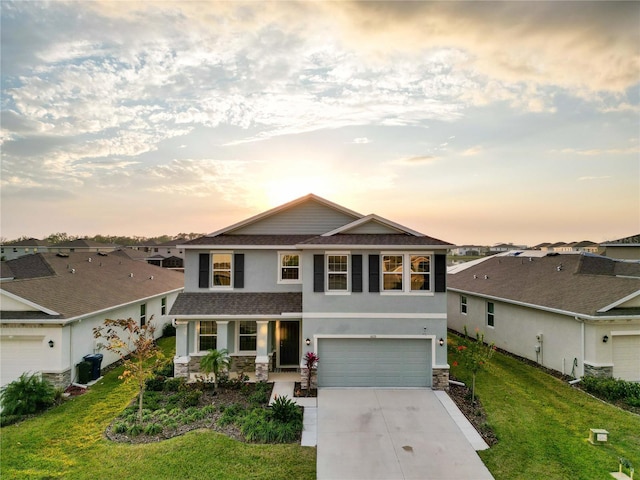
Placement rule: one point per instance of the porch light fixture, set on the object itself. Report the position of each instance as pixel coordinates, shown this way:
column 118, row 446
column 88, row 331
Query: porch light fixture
column 308, row 341
column 441, row 341
column 605, row 339
column 51, row 344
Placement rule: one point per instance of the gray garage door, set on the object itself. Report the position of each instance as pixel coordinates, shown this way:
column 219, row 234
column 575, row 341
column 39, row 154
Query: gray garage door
column 626, row 357
column 379, row 362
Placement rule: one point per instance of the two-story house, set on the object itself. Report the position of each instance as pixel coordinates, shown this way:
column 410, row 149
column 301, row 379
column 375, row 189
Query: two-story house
column 366, row 294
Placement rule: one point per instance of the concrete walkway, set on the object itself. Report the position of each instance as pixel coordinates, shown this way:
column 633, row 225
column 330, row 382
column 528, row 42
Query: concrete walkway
column 392, row 434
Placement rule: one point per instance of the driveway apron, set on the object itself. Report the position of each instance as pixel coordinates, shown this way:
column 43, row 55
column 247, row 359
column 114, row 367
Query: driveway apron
column 391, row 434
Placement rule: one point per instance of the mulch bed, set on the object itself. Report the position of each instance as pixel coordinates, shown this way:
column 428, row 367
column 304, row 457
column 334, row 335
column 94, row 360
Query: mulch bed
column 475, row 413
column 221, row 397
column 298, row 391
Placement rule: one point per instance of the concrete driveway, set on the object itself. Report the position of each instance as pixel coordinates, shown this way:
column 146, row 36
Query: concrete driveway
column 391, row 434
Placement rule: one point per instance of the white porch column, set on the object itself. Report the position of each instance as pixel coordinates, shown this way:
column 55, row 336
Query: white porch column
column 262, row 356
column 181, row 360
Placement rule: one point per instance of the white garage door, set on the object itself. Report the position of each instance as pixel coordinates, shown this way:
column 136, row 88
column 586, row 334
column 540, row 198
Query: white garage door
column 626, row 357
column 18, row 356
column 379, row 362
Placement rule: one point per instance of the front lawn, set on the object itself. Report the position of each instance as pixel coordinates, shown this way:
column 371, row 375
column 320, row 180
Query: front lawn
column 68, row 442
column 542, row 425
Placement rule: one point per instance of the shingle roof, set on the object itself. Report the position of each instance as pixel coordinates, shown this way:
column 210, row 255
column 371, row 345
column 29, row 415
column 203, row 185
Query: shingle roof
column 29, row 266
column 83, row 243
column 374, row 239
column 582, row 284
column 29, row 242
column 233, row 303
column 103, row 283
column 258, row 240
column 633, row 240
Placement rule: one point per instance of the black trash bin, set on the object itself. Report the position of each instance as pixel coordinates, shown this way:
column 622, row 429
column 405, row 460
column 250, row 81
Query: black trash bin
column 84, row 372
column 95, row 360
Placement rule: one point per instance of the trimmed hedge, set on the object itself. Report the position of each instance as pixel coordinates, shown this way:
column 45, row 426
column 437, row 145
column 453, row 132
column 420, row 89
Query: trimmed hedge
column 612, row 389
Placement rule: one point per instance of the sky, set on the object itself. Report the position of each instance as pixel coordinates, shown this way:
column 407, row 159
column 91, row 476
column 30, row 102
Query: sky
column 471, row 122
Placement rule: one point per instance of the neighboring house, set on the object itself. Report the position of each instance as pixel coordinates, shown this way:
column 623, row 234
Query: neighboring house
column 574, row 313
column 470, row 250
column 167, row 255
column 364, row 293
column 503, row 247
column 50, row 304
column 18, row 248
column 82, row 245
column 624, row 248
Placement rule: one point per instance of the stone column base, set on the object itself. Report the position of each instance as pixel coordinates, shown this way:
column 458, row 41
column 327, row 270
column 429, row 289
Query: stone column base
column 603, row 371
column 304, row 373
column 58, row 380
column 181, row 367
column 262, row 371
column 440, row 379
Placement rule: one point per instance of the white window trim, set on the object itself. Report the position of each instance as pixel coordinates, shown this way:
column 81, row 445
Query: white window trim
column 493, row 314
column 239, row 352
column 280, row 267
column 406, row 274
column 465, row 303
column 346, row 291
column 221, row 287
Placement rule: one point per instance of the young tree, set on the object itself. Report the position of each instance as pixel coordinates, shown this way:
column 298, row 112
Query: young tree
column 311, row 363
column 213, row 362
column 135, row 345
column 473, row 355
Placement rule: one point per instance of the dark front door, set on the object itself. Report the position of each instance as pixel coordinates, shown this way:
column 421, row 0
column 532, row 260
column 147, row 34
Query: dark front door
column 289, row 343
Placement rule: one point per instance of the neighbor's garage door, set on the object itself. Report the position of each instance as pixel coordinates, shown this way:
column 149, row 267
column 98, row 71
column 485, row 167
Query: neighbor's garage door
column 380, row 362
column 626, row 357
column 18, row 356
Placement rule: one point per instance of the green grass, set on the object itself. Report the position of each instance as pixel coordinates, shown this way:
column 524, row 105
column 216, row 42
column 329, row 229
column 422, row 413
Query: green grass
column 542, row 425
column 67, row 442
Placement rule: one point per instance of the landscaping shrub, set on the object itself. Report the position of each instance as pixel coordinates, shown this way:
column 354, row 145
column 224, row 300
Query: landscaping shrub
column 612, row 389
column 153, row 429
column 151, row 401
column 190, row 398
column 168, row 330
column 231, row 413
column 284, row 410
column 155, row 384
column 134, row 429
column 173, row 384
column 166, row 370
column 26, row 395
column 259, row 397
column 260, row 426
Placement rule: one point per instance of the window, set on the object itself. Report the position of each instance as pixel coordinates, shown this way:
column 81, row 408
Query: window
column 35, row 249
column 143, row 314
column 396, row 278
column 163, row 306
column 337, row 272
column 15, row 250
column 208, row 338
column 490, row 314
column 247, row 336
column 26, row 250
column 392, row 272
column 221, row 269
column 463, row 304
column 289, row 268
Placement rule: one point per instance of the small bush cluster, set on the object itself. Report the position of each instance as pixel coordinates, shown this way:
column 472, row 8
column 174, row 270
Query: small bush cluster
column 168, row 330
column 27, row 395
column 613, row 389
column 282, row 423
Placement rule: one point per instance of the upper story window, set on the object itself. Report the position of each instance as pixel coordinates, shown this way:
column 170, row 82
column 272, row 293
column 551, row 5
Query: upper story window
column 163, row 306
column 490, row 314
column 337, row 273
column 221, row 269
column 415, row 277
column 208, row 337
column 463, row 304
column 289, row 268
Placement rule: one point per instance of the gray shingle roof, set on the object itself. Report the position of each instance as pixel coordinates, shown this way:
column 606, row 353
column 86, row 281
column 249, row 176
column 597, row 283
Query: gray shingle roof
column 258, row 240
column 103, row 283
column 29, row 266
column 399, row 239
column 233, row 303
column 633, row 240
column 584, row 284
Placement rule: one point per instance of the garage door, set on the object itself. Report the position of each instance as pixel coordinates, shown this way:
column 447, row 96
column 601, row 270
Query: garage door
column 626, row 357
column 20, row 356
column 379, row 362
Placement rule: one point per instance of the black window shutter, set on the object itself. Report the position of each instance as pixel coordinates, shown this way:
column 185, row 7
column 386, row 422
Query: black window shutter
column 356, row 273
column 238, row 270
column 374, row 273
column 203, row 278
column 318, row 273
column 441, row 272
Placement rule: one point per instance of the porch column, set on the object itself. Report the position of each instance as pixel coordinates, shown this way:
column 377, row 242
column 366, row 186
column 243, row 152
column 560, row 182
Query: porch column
column 262, row 356
column 181, row 360
column 222, row 336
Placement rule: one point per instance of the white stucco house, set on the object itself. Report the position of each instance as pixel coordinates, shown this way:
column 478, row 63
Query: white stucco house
column 50, row 303
column 575, row 313
column 366, row 294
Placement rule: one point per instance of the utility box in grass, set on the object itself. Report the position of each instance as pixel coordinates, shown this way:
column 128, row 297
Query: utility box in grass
column 598, row 436
column 84, row 372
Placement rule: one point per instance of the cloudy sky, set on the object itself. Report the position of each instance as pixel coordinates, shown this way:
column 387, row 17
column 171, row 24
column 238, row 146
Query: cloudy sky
column 471, row 122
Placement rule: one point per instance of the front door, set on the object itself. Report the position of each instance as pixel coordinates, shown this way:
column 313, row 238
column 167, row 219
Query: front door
column 289, row 343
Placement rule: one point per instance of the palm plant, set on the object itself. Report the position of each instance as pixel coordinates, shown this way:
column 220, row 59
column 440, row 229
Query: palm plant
column 214, row 362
